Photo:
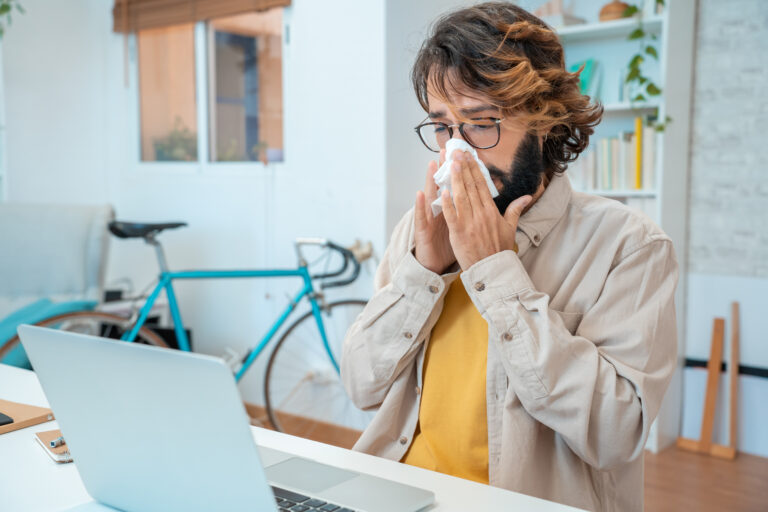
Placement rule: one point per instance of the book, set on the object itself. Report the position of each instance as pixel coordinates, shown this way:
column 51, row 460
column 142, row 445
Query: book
column 623, row 163
column 638, row 153
column 23, row 415
column 588, row 80
column 615, row 145
column 605, row 165
column 649, row 157
column 59, row 454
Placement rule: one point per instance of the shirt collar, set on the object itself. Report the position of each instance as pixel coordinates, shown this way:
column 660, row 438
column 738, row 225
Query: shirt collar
column 537, row 222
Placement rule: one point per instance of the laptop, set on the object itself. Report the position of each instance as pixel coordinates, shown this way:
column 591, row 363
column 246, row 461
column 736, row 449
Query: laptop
column 153, row 429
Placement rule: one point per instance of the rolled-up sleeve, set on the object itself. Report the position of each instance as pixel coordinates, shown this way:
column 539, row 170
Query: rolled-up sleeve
column 599, row 388
column 384, row 339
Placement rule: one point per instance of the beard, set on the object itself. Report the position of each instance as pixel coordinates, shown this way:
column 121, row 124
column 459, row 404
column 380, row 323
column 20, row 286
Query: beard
column 524, row 175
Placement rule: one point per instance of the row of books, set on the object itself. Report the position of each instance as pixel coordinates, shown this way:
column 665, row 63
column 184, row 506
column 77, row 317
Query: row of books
column 626, row 162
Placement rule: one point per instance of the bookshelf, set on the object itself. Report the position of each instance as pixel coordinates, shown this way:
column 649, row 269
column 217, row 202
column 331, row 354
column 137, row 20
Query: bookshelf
column 608, row 30
column 664, row 200
column 619, row 194
column 626, row 107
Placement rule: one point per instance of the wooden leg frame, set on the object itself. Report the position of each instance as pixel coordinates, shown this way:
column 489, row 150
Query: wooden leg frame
column 705, row 444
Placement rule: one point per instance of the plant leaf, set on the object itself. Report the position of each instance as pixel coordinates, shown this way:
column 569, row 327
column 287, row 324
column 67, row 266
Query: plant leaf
column 639, row 97
column 636, row 34
column 636, row 61
column 5, row 9
column 652, row 89
column 642, row 80
column 634, row 74
column 650, row 50
column 630, row 11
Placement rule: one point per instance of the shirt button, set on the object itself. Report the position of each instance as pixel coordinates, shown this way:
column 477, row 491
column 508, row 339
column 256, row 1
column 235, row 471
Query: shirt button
column 418, row 390
column 507, row 336
column 433, row 289
column 407, row 335
column 536, row 238
column 479, row 286
column 403, row 440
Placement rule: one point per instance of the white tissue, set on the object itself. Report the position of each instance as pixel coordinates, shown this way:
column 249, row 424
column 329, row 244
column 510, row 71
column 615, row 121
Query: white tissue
column 443, row 174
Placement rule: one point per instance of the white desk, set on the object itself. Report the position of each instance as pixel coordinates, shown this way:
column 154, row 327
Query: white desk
column 30, row 481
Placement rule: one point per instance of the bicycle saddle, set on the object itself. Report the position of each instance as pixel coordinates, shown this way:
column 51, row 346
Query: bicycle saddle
column 139, row 229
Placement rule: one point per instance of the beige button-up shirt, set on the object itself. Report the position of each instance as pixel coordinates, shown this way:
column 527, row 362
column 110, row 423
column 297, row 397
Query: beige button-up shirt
column 581, row 348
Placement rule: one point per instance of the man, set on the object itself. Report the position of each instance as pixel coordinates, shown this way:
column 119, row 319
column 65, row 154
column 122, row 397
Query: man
column 524, row 341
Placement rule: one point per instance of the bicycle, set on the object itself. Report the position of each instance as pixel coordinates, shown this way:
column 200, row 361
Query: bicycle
column 302, row 386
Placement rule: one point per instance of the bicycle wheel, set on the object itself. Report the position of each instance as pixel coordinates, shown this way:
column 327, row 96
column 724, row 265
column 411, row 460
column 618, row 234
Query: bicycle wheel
column 94, row 323
column 302, row 389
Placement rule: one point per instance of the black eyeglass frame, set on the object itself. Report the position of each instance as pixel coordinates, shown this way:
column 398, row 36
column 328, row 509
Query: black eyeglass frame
column 460, row 126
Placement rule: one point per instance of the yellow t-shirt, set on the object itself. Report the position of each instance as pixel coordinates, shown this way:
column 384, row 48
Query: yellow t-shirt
column 452, row 433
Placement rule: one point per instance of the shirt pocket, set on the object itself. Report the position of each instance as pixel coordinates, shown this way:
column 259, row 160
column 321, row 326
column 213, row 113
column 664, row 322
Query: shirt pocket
column 570, row 320
column 379, row 304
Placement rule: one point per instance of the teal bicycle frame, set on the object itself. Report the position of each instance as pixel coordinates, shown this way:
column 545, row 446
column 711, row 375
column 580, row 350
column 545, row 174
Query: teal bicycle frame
column 166, row 283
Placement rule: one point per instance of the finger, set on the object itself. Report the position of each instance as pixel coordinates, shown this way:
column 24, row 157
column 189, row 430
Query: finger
column 430, row 187
column 468, row 177
column 420, row 218
column 459, row 192
column 442, row 156
column 481, row 186
column 515, row 209
column 449, row 211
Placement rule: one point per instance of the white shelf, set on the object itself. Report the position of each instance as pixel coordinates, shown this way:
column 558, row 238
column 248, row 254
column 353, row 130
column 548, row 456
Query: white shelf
column 625, row 107
column 608, row 29
column 622, row 193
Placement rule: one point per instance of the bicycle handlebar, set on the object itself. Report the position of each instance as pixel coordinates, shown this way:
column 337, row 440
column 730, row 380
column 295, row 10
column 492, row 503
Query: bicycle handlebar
column 348, row 256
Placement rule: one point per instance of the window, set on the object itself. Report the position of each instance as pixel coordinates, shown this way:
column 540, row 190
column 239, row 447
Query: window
column 246, row 111
column 167, row 94
column 241, row 93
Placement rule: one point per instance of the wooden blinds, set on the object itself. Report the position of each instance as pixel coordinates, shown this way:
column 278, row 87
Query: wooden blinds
column 134, row 15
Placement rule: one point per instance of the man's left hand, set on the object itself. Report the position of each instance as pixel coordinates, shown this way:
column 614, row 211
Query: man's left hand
column 476, row 229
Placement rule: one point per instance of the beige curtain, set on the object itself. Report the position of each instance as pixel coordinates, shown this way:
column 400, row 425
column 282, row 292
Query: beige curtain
column 134, row 15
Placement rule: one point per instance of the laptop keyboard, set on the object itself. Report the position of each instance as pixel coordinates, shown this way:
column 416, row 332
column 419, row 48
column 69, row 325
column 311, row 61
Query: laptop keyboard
column 295, row 502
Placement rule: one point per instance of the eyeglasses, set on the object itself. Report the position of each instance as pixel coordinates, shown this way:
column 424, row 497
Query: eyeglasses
column 480, row 134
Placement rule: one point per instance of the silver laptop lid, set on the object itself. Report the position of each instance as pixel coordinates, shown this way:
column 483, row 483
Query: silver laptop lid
column 150, row 429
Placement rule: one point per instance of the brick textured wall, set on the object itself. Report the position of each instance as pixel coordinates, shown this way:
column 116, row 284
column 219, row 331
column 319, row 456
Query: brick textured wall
column 729, row 150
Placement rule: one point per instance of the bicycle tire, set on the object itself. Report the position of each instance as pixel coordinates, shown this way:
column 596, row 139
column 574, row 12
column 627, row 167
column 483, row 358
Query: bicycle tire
column 145, row 335
column 333, row 408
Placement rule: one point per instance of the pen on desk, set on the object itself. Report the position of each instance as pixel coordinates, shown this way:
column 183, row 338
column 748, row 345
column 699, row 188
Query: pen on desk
column 57, row 442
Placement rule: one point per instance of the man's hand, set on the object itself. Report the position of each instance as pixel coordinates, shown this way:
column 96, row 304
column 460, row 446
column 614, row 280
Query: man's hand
column 476, row 229
column 433, row 248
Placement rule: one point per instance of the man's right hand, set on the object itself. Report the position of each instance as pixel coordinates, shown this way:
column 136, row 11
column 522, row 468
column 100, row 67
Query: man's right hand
column 433, row 247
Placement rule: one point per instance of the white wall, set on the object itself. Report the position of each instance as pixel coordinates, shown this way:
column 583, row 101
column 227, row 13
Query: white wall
column 56, row 110
column 729, row 206
column 407, row 25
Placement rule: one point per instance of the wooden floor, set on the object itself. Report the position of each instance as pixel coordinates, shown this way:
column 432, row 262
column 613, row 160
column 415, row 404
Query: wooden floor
column 677, row 480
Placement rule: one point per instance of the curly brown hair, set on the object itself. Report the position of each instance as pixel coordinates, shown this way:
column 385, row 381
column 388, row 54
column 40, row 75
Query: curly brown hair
column 516, row 61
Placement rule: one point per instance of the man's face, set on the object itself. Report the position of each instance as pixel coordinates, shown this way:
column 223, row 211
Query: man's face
column 515, row 163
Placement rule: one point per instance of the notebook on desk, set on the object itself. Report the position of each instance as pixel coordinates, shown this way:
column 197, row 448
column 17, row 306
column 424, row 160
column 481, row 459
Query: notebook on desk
column 161, row 403
column 22, row 415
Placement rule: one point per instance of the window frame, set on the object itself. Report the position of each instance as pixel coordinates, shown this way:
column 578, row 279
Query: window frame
column 203, row 37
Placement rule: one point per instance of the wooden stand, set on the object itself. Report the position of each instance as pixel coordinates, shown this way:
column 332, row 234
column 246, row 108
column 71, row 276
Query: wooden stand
column 705, row 444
